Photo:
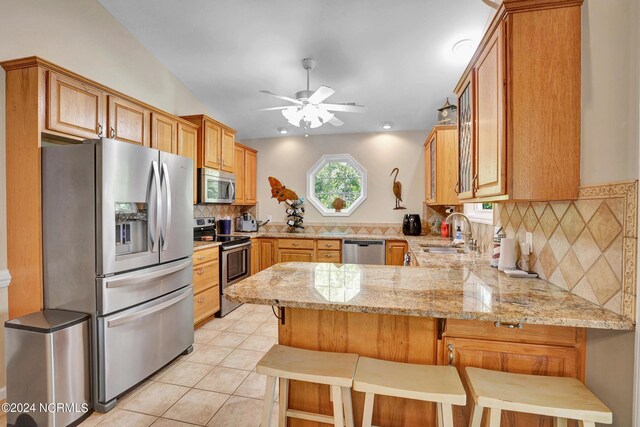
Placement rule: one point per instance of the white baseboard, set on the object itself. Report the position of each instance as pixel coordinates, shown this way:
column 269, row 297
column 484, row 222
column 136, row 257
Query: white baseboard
column 5, row 278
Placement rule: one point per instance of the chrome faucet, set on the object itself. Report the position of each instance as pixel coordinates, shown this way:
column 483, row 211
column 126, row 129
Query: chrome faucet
column 468, row 234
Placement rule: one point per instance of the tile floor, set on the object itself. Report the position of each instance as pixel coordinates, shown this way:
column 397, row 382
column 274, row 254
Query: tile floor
column 216, row 385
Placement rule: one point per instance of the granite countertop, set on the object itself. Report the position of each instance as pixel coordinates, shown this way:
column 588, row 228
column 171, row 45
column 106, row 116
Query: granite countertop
column 204, row 245
column 445, row 286
column 328, row 236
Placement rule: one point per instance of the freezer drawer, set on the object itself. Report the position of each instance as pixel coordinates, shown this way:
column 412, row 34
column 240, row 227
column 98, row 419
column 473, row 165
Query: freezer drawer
column 135, row 343
column 126, row 290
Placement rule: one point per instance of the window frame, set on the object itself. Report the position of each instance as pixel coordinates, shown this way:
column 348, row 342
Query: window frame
column 475, row 213
column 311, row 183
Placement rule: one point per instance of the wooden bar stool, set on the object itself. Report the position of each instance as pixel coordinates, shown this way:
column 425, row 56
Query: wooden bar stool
column 288, row 363
column 439, row 384
column 559, row 397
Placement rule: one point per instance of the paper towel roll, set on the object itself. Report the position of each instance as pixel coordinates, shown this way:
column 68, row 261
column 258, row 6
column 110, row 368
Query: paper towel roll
column 507, row 254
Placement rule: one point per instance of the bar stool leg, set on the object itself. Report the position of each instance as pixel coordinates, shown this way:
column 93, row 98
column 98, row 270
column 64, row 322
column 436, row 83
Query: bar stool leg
column 348, row 406
column 447, row 414
column 269, row 396
column 494, row 417
column 476, row 416
column 338, row 413
column 560, row 422
column 284, row 402
column 367, row 413
column 439, row 414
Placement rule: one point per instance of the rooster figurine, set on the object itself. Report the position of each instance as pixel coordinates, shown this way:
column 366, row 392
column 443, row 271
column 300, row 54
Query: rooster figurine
column 397, row 189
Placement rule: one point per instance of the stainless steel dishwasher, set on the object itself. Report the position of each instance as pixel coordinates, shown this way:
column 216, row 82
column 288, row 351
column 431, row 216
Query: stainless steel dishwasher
column 370, row 252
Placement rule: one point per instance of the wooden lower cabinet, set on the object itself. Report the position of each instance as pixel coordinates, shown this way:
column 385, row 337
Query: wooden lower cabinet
column 255, row 256
column 267, row 250
column 525, row 353
column 206, row 284
column 329, row 256
column 395, row 252
column 296, row 255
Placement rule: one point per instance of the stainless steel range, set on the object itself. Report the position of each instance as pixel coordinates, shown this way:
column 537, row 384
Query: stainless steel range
column 235, row 258
column 117, row 245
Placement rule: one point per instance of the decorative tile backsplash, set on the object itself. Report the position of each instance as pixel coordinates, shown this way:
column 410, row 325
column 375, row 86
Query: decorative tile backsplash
column 587, row 246
column 368, row 228
column 221, row 211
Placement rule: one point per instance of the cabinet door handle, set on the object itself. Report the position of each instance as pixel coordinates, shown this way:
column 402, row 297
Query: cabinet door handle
column 327, row 245
column 199, row 272
column 295, row 244
column 201, row 300
column 99, row 129
column 201, row 257
column 112, row 133
column 327, row 256
column 509, row 325
column 475, row 183
column 457, row 188
column 451, row 348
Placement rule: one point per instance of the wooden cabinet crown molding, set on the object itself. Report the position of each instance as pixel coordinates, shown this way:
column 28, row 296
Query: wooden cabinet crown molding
column 199, row 118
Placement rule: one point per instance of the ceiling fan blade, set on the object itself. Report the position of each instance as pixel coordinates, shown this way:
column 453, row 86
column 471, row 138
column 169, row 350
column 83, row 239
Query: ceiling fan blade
column 347, row 108
column 286, row 98
column 321, row 94
column 272, row 108
column 336, row 121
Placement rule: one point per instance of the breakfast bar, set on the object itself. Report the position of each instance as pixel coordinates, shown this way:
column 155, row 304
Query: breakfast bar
column 451, row 309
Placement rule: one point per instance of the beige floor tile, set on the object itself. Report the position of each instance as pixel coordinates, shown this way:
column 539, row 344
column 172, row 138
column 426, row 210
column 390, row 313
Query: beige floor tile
column 166, row 368
column 164, row 422
column 203, row 336
column 241, row 412
column 186, row 374
column 258, row 343
column 253, row 386
column 156, row 398
column 132, row 393
column 209, row 354
column 257, row 316
column 197, row 406
column 93, row 420
column 242, row 359
column 218, row 324
column 122, row 418
column 236, row 314
column 228, row 339
column 262, row 309
column 222, row 380
column 243, row 327
column 267, row 329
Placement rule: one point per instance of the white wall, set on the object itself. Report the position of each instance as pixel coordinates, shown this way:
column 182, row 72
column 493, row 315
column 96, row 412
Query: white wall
column 289, row 159
column 83, row 37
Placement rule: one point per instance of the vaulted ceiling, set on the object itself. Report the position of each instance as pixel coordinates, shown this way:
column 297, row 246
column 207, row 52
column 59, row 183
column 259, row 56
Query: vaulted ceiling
column 394, row 56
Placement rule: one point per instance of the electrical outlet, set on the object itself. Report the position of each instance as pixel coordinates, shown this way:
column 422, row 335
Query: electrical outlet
column 528, row 237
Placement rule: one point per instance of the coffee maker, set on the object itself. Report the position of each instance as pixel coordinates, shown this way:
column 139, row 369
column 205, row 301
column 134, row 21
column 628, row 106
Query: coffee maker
column 411, row 225
column 246, row 223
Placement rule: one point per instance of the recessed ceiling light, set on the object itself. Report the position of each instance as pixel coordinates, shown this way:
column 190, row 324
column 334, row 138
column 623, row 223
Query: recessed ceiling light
column 463, row 48
column 283, row 131
column 386, row 125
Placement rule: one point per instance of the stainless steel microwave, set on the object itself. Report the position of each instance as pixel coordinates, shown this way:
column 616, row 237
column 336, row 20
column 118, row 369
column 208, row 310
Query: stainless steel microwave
column 216, row 186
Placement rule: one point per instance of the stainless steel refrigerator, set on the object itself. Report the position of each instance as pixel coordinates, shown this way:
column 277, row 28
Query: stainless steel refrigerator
column 118, row 244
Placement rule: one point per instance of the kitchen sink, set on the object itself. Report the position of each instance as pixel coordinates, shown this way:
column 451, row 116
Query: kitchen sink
column 444, row 250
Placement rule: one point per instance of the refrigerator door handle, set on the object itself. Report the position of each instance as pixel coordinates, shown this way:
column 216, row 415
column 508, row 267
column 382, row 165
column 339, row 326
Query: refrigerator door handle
column 148, row 311
column 145, row 277
column 167, row 223
column 154, row 229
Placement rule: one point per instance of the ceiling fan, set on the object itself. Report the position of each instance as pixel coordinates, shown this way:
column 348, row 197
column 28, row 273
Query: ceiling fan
column 308, row 110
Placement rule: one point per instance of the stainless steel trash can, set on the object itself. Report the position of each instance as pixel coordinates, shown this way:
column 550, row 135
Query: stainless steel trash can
column 48, row 371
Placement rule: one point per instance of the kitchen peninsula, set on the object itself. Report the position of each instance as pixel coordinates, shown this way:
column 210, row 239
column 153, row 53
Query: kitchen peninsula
column 449, row 309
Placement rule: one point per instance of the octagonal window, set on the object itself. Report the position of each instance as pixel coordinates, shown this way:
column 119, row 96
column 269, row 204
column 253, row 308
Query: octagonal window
column 336, row 185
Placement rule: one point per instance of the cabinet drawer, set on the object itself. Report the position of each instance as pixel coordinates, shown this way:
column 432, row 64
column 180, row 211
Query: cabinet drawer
column 329, row 256
column 296, row 243
column 205, row 255
column 329, row 245
column 205, row 276
column 535, row 334
column 206, row 304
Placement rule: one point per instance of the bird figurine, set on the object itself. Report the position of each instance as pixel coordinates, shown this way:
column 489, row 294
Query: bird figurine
column 338, row 204
column 397, row 189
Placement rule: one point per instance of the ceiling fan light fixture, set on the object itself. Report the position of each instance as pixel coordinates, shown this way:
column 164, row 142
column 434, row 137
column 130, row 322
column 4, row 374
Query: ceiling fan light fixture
column 463, row 49
column 283, row 131
column 386, row 125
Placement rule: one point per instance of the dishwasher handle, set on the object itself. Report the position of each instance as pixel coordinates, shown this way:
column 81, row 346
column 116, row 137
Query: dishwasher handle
column 364, row 242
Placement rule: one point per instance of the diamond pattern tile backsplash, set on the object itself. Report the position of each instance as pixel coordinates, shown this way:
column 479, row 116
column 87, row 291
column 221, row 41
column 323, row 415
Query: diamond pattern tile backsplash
column 587, row 246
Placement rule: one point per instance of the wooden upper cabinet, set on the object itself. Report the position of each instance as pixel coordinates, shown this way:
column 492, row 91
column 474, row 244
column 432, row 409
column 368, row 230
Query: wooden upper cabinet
column 238, row 167
column 441, row 166
column 187, row 146
column 227, row 150
column 519, row 139
column 490, row 156
column 74, row 107
column 164, row 133
column 250, row 176
column 128, row 121
column 211, row 144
